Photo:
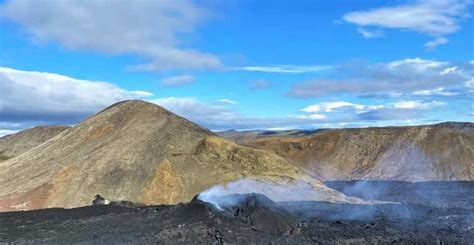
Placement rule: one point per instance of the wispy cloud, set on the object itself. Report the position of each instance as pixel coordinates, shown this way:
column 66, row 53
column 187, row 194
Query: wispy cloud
column 416, row 104
column 435, row 18
column 284, row 68
column 437, row 91
column 331, row 106
column 177, row 81
column 343, row 111
column 436, row 42
column 398, row 77
column 227, row 102
column 313, row 116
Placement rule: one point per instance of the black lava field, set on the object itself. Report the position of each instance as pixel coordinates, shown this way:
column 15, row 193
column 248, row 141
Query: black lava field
column 425, row 212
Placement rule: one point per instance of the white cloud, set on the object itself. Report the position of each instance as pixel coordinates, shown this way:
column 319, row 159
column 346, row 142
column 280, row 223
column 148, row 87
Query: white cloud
column 284, row 69
column 4, row 132
column 438, row 91
column 393, row 78
column 280, row 128
column 436, row 42
column 449, row 70
column 435, row 18
column 416, row 64
column 314, row 116
column 154, row 30
column 228, row 102
column 53, row 98
column 417, row 104
column 177, row 81
column 331, row 106
column 343, row 111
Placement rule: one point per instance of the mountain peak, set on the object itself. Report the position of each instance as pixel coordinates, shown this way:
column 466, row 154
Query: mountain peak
column 134, row 114
column 135, row 105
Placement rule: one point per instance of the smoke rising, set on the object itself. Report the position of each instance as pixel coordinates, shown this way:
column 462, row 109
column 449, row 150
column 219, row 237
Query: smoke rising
column 278, row 192
column 294, row 195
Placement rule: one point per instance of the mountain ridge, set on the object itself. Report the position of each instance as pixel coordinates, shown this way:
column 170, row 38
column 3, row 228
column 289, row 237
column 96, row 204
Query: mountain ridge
column 140, row 152
column 15, row 144
column 413, row 153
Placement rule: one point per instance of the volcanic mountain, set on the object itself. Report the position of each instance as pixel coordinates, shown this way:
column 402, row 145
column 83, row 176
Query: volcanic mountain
column 417, row 153
column 139, row 152
column 15, row 144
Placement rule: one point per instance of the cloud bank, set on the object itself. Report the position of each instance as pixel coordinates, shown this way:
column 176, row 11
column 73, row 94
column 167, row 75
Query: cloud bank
column 177, row 81
column 30, row 97
column 153, row 30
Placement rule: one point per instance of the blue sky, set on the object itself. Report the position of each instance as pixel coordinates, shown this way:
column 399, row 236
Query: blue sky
column 239, row 64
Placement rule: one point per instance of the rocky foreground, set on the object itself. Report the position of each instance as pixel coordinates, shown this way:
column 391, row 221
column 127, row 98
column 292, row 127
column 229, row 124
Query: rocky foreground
column 425, row 215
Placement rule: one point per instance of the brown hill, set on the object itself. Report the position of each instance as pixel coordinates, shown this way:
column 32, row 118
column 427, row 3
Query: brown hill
column 434, row 152
column 140, row 152
column 15, row 144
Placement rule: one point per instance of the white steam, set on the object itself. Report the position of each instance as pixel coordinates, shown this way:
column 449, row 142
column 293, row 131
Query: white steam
column 278, row 192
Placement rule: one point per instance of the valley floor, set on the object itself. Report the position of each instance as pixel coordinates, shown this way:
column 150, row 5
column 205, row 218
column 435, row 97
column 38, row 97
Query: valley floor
column 430, row 212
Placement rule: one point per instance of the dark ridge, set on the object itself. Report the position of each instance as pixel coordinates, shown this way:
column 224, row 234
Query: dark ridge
column 307, row 132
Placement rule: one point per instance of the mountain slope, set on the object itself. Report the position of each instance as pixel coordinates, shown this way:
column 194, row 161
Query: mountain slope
column 15, row 144
column 434, row 152
column 135, row 151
